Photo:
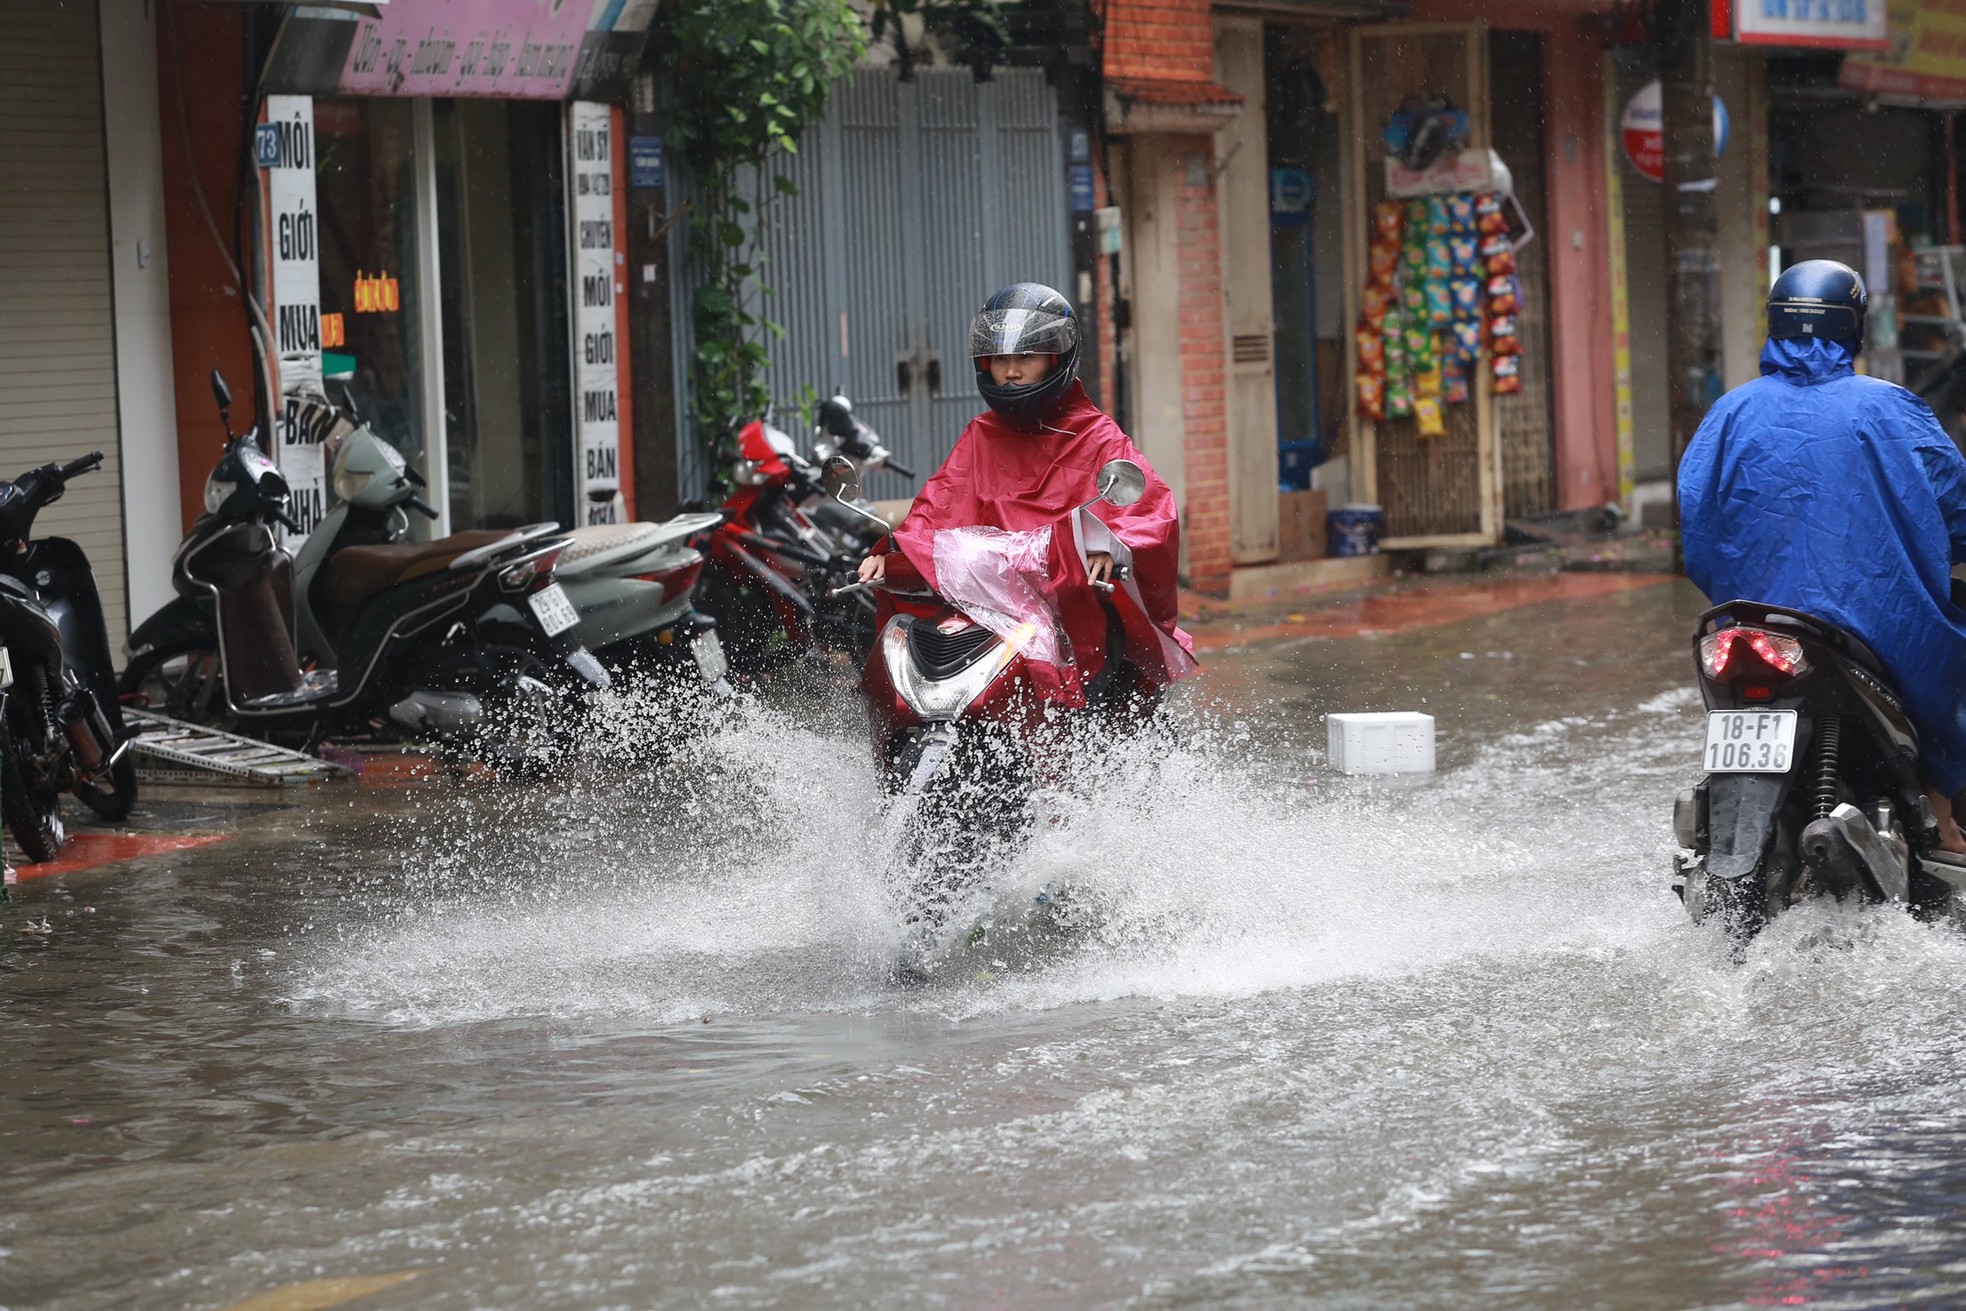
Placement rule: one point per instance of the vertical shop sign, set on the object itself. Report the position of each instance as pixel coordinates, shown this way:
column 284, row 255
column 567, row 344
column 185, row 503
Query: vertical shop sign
column 284, row 149
column 597, row 412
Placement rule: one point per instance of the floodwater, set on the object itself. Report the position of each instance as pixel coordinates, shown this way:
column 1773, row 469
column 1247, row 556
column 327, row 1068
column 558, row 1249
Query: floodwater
column 1283, row 1040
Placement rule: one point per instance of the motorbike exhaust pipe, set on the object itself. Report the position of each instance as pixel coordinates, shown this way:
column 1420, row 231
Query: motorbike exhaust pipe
column 90, row 739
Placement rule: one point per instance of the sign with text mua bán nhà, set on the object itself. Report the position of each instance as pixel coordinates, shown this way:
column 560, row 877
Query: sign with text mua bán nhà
column 592, row 147
column 283, row 148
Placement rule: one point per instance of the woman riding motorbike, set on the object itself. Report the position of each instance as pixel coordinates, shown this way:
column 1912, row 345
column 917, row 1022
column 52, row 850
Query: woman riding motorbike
column 1027, row 467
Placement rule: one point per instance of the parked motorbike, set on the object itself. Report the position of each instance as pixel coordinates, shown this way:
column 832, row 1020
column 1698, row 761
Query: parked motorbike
column 960, row 726
column 786, row 548
column 1811, row 786
column 634, row 587
column 61, row 729
column 425, row 640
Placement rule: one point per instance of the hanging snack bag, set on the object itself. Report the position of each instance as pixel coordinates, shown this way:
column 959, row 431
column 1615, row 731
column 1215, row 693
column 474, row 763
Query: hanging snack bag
column 1440, row 303
column 1371, row 395
column 1453, row 379
column 1385, row 261
column 1464, row 252
column 1490, row 218
column 1497, row 255
column 1440, row 258
column 1413, row 302
column 1465, row 296
column 1388, row 217
column 1438, row 218
column 1414, row 260
column 1419, row 347
column 1503, row 297
column 1427, row 415
column 1508, row 374
column 1399, row 398
column 1461, row 211
column 1428, row 384
column 1371, row 347
column 1501, row 335
column 1418, row 216
column 1467, row 339
column 1373, row 305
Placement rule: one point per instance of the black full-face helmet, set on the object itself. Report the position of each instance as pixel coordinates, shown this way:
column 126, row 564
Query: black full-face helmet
column 1819, row 298
column 1028, row 318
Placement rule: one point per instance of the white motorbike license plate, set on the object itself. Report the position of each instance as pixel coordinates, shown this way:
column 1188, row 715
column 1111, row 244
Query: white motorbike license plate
column 709, row 652
column 554, row 612
column 1750, row 741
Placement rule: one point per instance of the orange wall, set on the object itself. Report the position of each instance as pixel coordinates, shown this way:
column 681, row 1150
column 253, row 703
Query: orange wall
column 203, row 139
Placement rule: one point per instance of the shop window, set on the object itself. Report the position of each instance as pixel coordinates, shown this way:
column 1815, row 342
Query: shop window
column 365, row 187
column 501, row 239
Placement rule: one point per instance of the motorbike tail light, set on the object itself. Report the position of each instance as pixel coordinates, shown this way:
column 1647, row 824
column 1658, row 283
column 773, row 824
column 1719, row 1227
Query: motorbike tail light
column 519, row 576
column 1751, row 652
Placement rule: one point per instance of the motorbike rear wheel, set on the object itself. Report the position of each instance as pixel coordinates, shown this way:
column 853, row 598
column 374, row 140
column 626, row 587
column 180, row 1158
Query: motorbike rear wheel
column 521, row 735
column 30, row 804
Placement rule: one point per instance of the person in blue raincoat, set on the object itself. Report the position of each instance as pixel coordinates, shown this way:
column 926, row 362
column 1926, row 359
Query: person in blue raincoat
column 1818, row 489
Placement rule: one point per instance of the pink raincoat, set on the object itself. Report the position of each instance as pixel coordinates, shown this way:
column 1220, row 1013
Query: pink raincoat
column 1018, row 479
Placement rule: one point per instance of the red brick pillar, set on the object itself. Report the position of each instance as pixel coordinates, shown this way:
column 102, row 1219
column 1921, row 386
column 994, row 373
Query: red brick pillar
column 1204, row 371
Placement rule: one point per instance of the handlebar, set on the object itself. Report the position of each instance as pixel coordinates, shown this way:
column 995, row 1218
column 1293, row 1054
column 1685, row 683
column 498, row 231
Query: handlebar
column 422, row 507
column 286, row 520
column 87, row 464
column 896, row 466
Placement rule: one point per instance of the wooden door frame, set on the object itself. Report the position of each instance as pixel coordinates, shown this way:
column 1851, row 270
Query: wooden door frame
column 1359, row 142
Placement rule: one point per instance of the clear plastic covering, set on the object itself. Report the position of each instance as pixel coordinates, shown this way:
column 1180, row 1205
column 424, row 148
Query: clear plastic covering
column 1021, row 332
column 999, row 579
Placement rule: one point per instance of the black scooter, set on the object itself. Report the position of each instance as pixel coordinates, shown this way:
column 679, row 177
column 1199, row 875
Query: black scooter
column 1811, row 785
column 413, row 663
column 61, row 729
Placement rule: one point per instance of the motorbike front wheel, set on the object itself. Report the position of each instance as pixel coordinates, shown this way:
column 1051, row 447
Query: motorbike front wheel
column 182, row 682
column 30, row 805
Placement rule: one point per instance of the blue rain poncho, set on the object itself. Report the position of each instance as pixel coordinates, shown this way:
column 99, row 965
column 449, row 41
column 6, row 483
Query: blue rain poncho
column 1839, row 495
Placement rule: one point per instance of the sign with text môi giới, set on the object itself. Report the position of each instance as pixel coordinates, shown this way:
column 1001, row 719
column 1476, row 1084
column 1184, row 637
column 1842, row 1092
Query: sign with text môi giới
column 598, row 408
column 284, row 147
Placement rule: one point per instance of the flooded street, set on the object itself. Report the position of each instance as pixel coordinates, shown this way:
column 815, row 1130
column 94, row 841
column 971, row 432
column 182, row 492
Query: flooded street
column 1282, row 1039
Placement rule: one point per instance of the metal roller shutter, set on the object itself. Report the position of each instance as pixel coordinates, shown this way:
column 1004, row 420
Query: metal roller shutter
column 57, row 328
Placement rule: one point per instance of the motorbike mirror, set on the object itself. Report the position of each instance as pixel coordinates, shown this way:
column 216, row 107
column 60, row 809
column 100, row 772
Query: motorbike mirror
column 839, row 478
column 1121, row 482
column 223, row 395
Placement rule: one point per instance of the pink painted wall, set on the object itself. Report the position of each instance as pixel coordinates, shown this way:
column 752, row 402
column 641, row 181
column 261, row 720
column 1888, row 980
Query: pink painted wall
column 1583, row 406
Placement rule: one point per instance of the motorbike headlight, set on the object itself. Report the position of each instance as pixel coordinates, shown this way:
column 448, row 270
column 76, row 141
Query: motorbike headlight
column 348, row 483
column 937, row 699
column 216, row 491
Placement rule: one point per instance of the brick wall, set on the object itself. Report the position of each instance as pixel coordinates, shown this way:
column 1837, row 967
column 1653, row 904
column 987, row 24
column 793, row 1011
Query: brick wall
column 1204, row 370
column 1158, row 40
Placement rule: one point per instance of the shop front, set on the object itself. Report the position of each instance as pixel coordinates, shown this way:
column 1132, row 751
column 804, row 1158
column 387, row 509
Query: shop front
column 1410, row 290
column 439, row 189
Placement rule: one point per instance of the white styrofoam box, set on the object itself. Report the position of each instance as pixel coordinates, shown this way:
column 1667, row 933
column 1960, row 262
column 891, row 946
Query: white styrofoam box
column 1384, row 742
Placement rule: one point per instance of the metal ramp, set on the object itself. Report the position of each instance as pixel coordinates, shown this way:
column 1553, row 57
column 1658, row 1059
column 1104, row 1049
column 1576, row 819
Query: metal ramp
column 172, row 751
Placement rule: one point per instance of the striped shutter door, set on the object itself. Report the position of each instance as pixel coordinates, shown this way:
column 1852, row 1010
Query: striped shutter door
column 57, row 326
column 916, row 200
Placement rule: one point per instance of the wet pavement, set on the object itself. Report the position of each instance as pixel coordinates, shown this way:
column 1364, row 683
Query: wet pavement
column 1282, row 1038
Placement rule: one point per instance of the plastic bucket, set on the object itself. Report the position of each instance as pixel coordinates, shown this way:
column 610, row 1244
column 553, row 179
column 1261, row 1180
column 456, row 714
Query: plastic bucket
column 1355, row 529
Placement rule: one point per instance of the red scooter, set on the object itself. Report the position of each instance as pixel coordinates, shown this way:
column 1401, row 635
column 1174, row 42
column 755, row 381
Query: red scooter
column 962, row 730
column 778, row 560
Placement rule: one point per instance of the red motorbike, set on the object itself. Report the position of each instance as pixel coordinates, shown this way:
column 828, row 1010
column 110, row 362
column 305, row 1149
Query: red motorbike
column 785, row 548
column 963, row 729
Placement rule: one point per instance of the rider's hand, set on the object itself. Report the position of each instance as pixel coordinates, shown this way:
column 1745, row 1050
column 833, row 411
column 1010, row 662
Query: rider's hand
column 873, row 569
column 1099, row 567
